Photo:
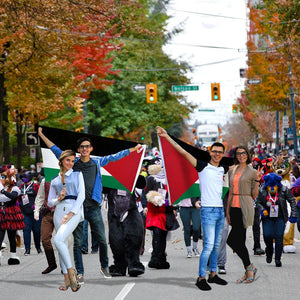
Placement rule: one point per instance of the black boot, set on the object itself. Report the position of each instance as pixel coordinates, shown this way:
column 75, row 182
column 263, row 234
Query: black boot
column 136, row 269
column 51, row 261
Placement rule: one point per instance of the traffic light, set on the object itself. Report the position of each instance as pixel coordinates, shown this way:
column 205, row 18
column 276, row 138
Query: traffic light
column 151, row 93
column 298, row 127
column 215, row 91
column 234, row 108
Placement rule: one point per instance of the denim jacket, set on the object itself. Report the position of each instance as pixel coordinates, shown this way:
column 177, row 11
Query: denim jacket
column 100, row 162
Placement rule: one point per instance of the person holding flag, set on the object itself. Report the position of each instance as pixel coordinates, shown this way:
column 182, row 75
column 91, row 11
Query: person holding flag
column 91, row 170
column 212, row 213
column 67, row 195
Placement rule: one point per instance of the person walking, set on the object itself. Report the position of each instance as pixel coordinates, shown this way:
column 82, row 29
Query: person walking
column 212, row 213
column 243, row 188
column 29, row 190
column 67, row 194
column 272, row 201
column 91, row 170
column 47, row 227
column 190, row 217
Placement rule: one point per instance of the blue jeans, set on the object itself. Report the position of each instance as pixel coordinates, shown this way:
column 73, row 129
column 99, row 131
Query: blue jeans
column 188, row 214
column 35, row 226
column 85, row 243
column 94, row 217
column 212, row 220
column 273, row 228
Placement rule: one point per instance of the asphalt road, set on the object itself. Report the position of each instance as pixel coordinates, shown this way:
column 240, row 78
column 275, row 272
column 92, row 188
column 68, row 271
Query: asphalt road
column 25, row 281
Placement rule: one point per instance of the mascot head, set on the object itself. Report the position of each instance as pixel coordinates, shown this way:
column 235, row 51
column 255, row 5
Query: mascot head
column 272, row 182
column 8, row 177
column 281, row 166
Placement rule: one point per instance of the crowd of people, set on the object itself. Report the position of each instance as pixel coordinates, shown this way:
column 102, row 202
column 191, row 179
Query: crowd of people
column 259, row 189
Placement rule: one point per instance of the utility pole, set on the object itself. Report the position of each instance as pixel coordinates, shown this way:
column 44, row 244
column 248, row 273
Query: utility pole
column 293, row 115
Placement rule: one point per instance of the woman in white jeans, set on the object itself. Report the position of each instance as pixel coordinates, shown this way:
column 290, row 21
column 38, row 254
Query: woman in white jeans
column 67, row 193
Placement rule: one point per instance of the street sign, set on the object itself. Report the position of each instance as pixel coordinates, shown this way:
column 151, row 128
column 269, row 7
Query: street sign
column 141, row 87
column 32, row 139
column 285, row 122
column 254, row 81
column 242, row 73
column 32, row 152
column 184, row 88
column 212, row 110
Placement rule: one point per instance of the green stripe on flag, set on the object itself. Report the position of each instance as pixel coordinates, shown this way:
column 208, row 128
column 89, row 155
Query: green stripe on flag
column 110, row 182
column 50, row 173
column 194, row 191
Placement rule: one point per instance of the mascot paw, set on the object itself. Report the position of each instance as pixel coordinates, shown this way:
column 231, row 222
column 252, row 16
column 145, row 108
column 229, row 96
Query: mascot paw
column 293, row 219
column 116, row 271
column 264, row 213
column 14, row 261
column 136, row 270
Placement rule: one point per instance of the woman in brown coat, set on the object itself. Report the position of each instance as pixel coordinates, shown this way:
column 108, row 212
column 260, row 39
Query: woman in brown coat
column 243, row 188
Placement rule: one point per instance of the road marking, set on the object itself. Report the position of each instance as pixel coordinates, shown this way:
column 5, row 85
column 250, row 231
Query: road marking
column 125, row 290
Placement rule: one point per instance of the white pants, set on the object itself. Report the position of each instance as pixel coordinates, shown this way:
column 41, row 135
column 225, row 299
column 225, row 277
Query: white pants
column 63, row 232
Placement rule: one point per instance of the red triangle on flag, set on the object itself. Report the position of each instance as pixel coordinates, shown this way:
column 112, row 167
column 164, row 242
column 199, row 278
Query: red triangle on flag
column 181, row 175
column 126, row 170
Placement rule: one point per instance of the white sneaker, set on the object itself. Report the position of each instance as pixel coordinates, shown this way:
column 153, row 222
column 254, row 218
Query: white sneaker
column 80, row 279
column 189, row 254
column 105, row 273
column 196, row 252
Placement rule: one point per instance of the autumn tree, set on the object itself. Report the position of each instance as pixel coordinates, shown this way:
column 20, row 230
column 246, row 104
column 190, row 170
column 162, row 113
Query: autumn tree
column 51, row 45
column 273, row 47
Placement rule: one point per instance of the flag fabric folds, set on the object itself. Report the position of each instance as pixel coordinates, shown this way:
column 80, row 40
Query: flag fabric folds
column 121, row 174
column 182, row 177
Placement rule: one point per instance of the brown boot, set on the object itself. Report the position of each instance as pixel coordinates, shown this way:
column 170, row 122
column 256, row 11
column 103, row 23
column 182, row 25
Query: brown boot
column 51, row 261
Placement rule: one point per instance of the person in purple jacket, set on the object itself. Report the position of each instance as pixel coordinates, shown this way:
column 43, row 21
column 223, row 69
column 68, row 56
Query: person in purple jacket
column 91, row 170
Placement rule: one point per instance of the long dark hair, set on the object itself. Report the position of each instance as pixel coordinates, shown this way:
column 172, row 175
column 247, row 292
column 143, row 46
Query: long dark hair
column 236, row 162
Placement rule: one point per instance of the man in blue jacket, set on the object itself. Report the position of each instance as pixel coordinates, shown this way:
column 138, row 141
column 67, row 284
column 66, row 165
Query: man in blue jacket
column 91, row 170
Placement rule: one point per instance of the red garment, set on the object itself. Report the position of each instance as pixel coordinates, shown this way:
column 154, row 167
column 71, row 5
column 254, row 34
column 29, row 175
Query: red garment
column 156, row 216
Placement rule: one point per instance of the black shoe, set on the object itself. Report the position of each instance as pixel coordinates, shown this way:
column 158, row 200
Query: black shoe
column 158, row 265
column 39, row 250
column 115, row 271
column 216, row 279
column 278, row 263
column 259, row 251
column 94, row 251
column 202, row 284
column 83, row 251
column 269, row 259
column 27, row 252
column 49, row 269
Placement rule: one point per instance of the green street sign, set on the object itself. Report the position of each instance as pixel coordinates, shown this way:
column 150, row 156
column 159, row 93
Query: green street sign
column 184, row 88
column 212, row 110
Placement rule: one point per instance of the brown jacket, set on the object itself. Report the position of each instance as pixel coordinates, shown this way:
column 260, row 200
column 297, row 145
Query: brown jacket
column 246, row 188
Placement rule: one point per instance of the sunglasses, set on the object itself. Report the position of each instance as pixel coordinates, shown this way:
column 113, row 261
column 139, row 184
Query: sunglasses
column 241, row 153
column 84, row 146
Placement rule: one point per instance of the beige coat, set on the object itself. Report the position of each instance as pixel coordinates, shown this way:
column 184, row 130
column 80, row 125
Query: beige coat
column 246, row 188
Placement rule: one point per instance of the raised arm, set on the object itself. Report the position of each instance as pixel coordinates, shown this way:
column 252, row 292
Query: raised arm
column 191, row 159
column 48, row 143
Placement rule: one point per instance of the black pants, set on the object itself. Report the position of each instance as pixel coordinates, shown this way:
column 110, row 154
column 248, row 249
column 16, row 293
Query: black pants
column 159, row 243
column 11, row 237
column 237, row 236
column 256, row 229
